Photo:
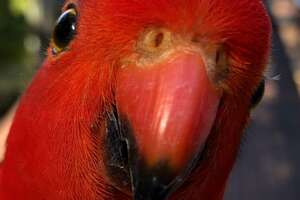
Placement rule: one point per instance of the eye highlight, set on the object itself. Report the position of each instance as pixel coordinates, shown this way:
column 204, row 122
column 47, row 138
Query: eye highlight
column 64, row 31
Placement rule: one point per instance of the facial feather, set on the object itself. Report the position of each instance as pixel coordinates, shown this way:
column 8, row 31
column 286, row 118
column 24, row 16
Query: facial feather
column 56, row 145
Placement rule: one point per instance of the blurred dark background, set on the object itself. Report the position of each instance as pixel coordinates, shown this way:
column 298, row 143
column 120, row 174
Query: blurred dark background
column 25, row 29
column 269, row 162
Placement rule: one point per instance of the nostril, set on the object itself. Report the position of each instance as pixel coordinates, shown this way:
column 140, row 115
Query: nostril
column 155, row 41
column 159, row 39
column 197, row 38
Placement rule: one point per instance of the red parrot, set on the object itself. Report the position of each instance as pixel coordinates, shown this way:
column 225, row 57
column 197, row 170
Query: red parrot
column 143, row 100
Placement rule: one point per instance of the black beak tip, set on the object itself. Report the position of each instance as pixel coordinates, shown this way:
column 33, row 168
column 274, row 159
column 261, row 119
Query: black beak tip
column 155, row 183
column 151, row 189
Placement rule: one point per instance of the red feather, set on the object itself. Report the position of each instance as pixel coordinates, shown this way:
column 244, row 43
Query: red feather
column 52, row 152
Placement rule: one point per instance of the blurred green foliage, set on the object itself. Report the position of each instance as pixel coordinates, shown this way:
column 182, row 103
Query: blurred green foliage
column 15, row 60
column 12, row 32
column 25, row 28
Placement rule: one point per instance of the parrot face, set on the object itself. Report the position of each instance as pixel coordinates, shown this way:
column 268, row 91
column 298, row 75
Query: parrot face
column 139, row 99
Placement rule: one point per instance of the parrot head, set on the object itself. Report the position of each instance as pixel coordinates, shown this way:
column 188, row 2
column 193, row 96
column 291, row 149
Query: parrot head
column 139, row 99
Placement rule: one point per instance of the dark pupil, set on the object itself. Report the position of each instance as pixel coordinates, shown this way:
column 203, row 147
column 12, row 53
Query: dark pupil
column 65, row 30
column 259, row 93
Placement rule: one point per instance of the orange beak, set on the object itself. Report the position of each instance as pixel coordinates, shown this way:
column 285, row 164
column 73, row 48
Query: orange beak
column 170, row 108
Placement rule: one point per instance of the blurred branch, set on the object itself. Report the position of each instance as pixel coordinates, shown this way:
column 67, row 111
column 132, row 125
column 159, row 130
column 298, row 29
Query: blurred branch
column 5, row 125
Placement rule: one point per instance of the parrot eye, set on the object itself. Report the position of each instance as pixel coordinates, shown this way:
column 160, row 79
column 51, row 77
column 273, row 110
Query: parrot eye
column 64, row 30
column 258, row 94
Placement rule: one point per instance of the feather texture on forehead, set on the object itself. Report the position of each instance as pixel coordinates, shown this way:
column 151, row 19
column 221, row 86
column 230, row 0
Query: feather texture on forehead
column 229, row 21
